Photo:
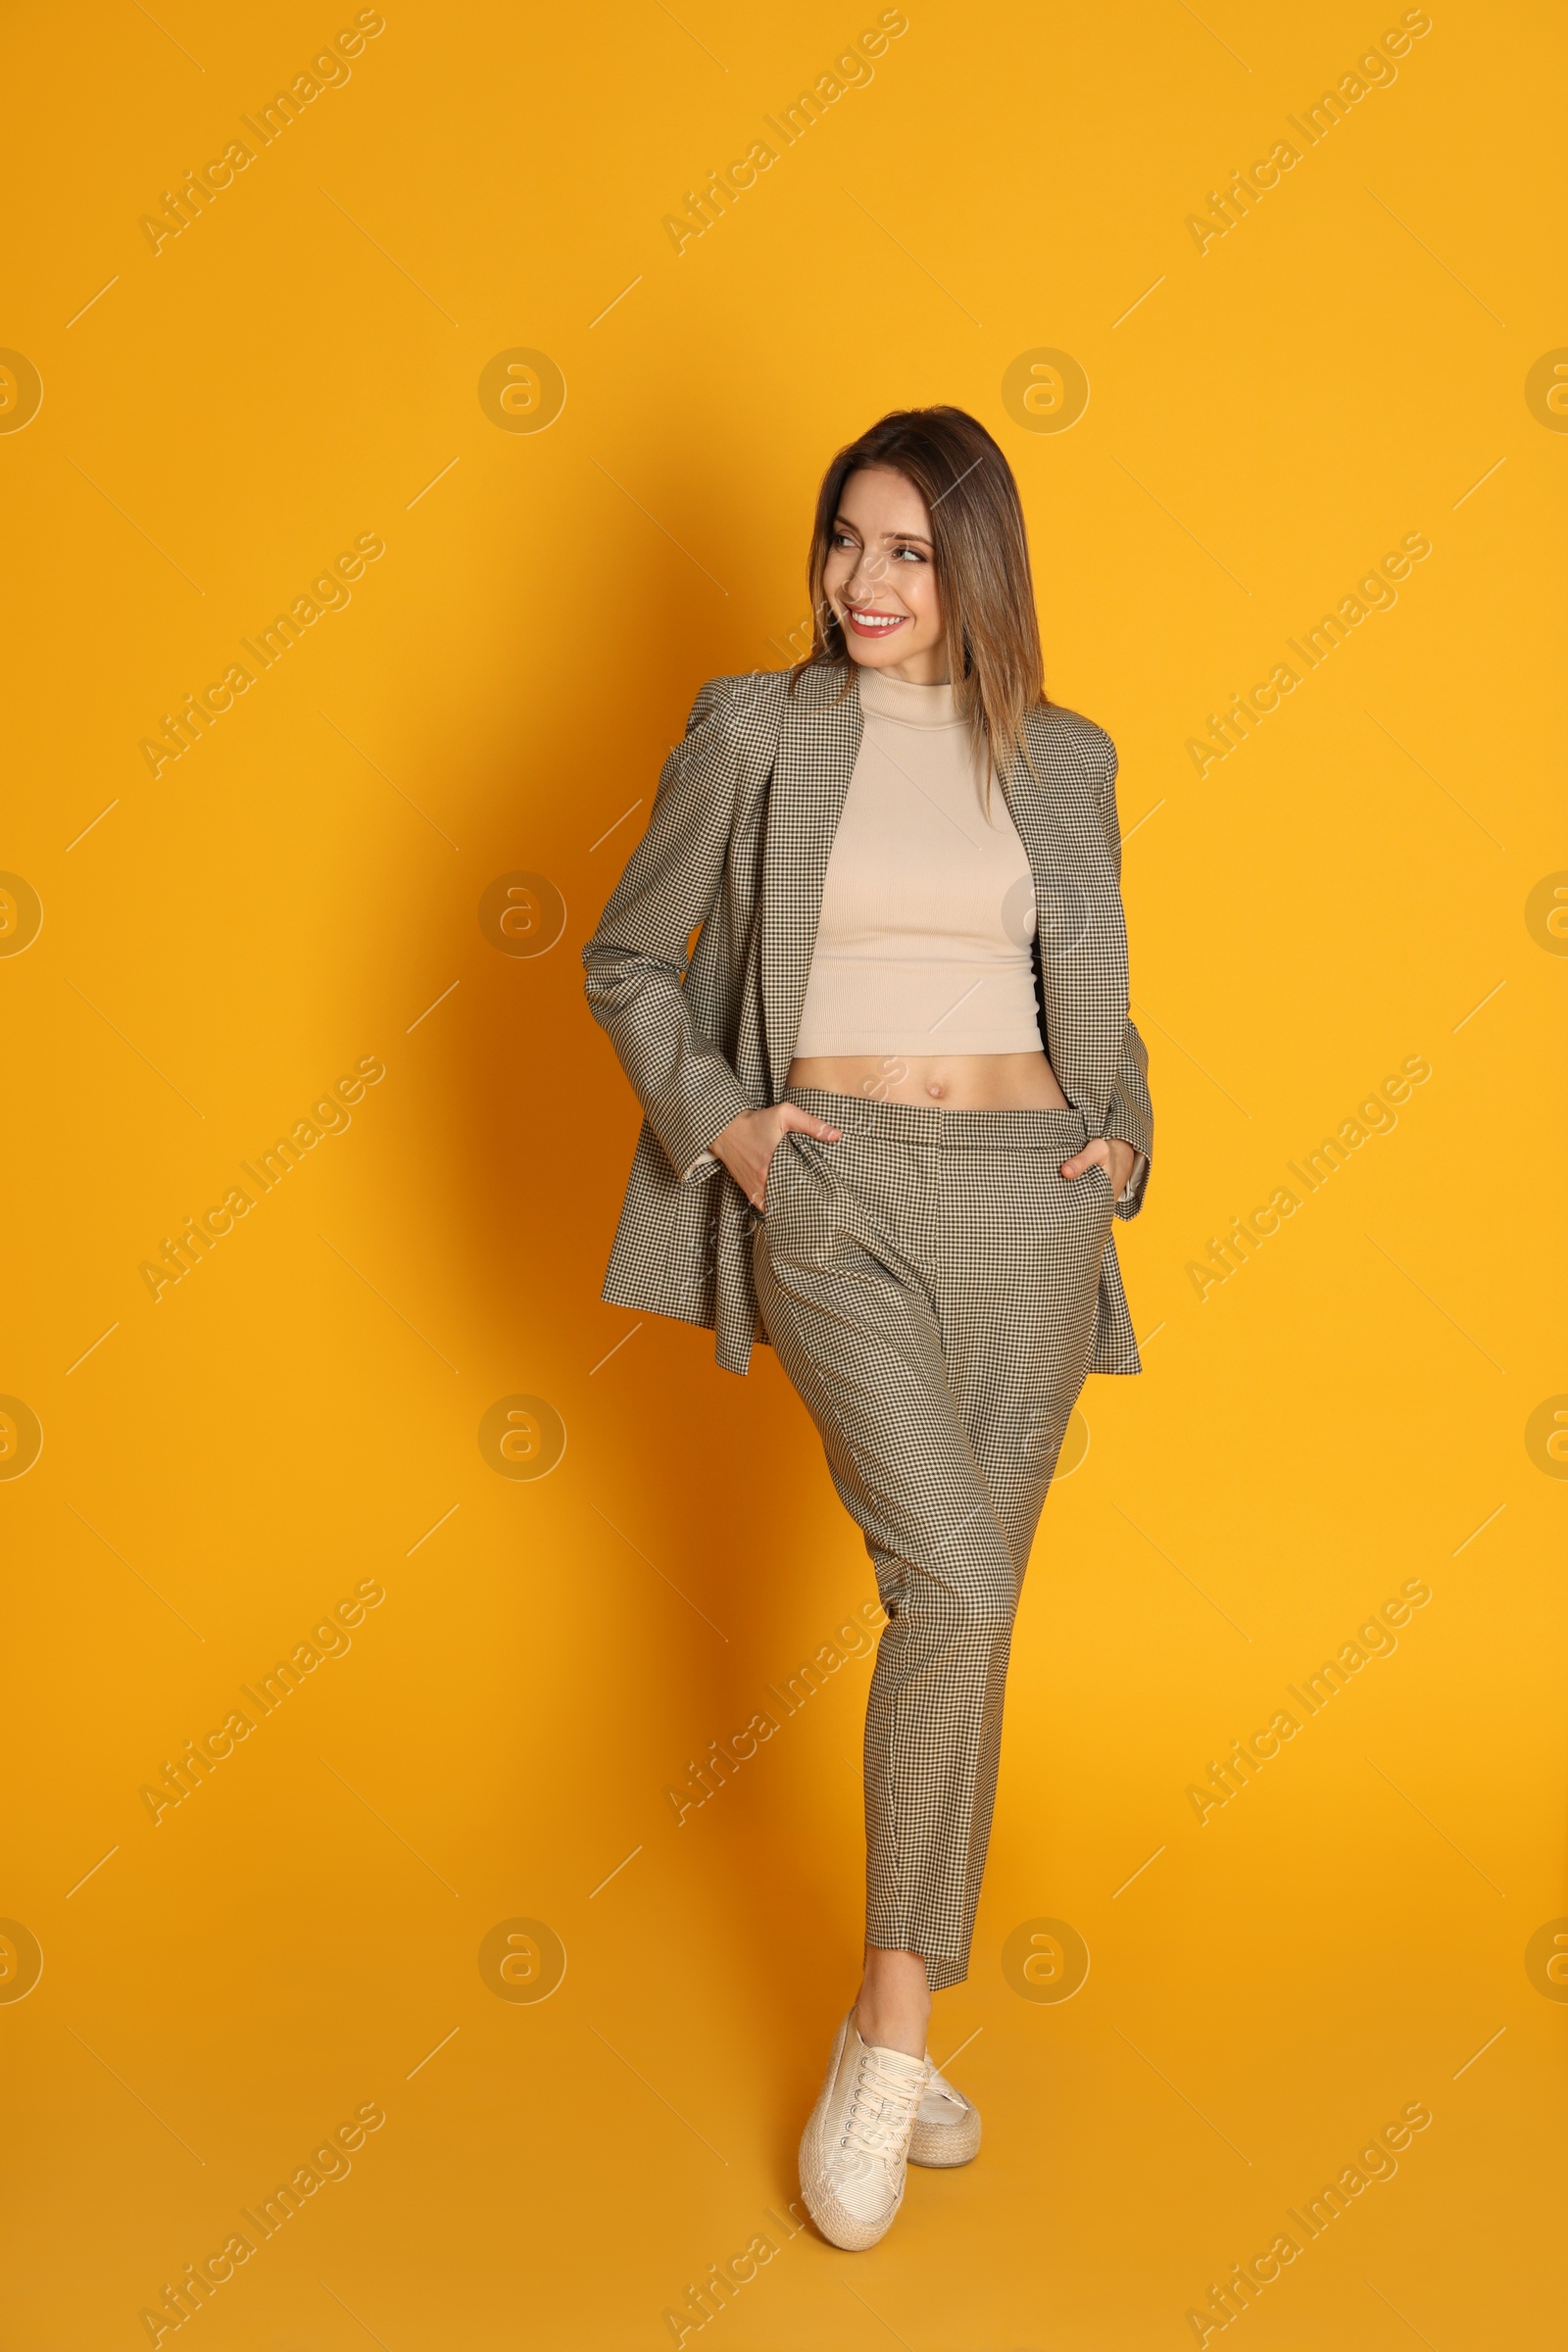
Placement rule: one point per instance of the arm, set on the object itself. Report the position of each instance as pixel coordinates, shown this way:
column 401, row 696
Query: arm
column 637, row 957
column 1131, row 1116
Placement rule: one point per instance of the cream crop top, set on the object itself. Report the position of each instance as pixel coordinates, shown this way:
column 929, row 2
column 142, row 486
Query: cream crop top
column 925, row 936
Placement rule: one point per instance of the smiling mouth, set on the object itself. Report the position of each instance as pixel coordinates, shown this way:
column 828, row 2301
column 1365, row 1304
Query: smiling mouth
column 874, row 624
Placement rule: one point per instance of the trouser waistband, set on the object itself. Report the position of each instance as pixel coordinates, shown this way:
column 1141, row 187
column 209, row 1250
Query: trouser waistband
column 932, row 1123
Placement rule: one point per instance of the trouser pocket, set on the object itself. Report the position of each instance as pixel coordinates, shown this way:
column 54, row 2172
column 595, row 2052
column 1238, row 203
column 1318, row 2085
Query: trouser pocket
column 771, row 1185
column 778, row 1168
column 794, row 1192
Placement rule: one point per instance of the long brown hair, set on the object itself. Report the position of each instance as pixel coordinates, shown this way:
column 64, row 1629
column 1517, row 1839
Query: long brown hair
column 981, row 553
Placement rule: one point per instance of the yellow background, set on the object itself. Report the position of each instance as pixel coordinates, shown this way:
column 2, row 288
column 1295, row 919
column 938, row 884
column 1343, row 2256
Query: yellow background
column 298, row 368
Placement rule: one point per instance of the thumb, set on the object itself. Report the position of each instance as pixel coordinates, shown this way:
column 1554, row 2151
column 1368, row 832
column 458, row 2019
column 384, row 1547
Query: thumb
column 793, row 1118
column 806, row 1122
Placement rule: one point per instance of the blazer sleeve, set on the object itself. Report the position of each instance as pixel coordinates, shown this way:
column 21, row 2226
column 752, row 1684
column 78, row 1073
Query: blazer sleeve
column 1131, row 1116
column 636, row 960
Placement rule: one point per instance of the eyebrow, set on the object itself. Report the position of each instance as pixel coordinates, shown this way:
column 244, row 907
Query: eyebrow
column 842, row 521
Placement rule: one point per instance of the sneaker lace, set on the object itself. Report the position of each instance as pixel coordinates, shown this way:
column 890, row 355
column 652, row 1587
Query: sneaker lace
column 882, row 2112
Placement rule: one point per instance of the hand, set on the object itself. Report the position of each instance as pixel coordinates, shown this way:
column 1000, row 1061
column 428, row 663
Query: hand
column 1108, row 1152
column 748, row 1144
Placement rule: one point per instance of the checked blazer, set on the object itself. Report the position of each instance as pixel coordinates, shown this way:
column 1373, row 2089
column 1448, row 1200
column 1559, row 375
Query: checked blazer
column 736, row 851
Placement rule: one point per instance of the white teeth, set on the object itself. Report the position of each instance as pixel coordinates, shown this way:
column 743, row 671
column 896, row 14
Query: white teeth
column 878, row 620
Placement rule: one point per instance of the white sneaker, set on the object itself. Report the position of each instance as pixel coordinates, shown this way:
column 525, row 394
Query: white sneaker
column 855, row 2150
column 947, row 2128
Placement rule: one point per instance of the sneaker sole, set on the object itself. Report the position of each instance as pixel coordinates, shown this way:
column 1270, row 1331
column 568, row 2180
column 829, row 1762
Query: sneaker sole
column 939, row 2148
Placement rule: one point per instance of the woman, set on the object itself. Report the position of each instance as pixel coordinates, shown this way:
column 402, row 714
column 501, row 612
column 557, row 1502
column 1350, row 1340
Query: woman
column 893, row 1104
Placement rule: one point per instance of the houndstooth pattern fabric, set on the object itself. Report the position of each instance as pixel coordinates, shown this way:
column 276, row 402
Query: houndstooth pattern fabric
column 737, row 850
column 928, row 1282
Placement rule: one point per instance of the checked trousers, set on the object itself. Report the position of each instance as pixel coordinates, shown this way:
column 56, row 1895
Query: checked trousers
column 928, row 1282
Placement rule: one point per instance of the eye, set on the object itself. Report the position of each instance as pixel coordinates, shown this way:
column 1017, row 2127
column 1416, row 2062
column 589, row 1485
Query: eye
column 842, row 539
column 914, row 552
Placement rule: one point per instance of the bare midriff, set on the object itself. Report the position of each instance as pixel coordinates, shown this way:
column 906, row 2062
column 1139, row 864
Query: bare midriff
column 950, row 1081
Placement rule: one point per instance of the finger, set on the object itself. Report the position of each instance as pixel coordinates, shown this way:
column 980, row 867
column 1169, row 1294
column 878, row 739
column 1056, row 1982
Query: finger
column 806, row 1122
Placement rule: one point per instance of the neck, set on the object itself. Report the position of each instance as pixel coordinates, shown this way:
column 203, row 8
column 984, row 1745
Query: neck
column 928, row 667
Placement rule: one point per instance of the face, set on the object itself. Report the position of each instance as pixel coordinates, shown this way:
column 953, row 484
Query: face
column 880, row 578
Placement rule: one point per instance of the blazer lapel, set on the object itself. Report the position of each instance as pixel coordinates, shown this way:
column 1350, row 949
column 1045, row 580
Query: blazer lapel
column 1078, row 925
column 819, row 741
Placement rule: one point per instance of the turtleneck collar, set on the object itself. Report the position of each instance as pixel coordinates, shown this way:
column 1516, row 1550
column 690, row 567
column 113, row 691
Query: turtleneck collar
column 882, row 697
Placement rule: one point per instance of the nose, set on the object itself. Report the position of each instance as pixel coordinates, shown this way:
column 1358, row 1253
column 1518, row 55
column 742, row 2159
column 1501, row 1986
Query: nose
column 869, row 575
